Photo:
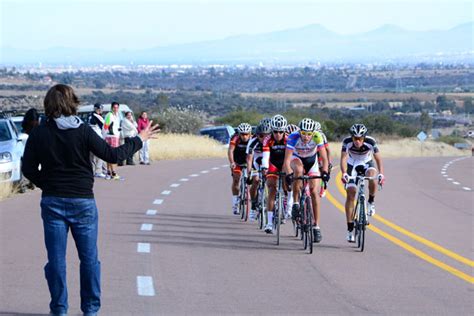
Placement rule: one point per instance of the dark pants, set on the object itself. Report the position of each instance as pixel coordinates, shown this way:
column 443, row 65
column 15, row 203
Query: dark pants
column 129, row 160
column 80, row 215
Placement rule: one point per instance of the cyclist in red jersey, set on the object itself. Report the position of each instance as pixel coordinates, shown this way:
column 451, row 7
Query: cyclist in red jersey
column 274, row 148
column 236, row 155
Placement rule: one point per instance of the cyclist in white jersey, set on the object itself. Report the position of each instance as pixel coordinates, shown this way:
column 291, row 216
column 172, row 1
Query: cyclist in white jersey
column 254, row 161
column 359, row 150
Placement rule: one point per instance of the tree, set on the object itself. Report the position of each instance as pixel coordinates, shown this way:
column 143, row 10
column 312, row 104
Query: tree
column 426, row 123
column 162, row 101
column 468, row 106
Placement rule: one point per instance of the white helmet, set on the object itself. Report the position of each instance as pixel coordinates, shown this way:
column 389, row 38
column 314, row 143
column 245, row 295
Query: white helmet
column 306, row 125
column 358, row 130
column 279, row 123
column 292, row 128
column 317, row 126
column 244, row 128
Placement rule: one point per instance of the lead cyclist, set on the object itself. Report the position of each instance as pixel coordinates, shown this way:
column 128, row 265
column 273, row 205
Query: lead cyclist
column 359, row 149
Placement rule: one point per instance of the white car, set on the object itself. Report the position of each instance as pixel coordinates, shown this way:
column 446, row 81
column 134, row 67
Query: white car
column 11, row 151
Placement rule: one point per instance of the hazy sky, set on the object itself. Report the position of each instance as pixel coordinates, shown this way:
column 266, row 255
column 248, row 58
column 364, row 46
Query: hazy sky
column 115, row 24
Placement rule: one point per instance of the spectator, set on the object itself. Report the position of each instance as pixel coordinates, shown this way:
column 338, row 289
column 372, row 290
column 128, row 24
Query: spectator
column 96, row 121
column 129, row 131
column 62, row 147
column 112, row 137
column 142, row 123
column 30, row 121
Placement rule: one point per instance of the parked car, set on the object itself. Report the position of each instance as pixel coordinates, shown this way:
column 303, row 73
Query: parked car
column 221, row 133
column 11, row 151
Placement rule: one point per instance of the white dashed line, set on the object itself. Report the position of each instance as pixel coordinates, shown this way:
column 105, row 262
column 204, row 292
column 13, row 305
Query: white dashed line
column 151, row 212
column 205, row 171
column 445, row 175
column 166, row 192
column 224, row 166
column 184, row 179
column 158, row 201
column 145, row 286
column 456, row 183
column 215, row 168
column 175, row 185
column 466, row 188
column 146, row 227
column 449, row 179
column 143, row 247
column 443, row 172
column 194, row 175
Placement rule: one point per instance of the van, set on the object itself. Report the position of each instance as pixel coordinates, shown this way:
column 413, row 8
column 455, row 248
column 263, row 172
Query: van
column 84, row 111
column 221, row 133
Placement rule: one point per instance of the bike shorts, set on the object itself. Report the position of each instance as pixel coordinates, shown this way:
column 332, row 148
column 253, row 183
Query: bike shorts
column 310, row 165
column 351, row 171
column 273, row 169
column 237, row 169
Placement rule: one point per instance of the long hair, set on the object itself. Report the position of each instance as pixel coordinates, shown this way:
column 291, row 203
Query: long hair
column 30, row 120
column 60, row 100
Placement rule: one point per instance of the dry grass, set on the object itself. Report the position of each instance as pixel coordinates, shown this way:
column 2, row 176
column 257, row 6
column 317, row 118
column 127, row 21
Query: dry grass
column 6, row 190
column 184, row 146
column 403, row 148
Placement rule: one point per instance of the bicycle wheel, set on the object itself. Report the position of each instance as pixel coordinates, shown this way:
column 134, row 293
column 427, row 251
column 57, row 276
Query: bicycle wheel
column 278, row 215
column 303, row 226
column 362, row 223
column 241, row 198
column 309, row 216
column 246, row 204
column 355, row 218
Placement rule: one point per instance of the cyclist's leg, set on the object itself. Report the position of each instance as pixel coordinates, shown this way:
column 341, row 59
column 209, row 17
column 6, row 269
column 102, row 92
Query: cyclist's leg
column 272, row 187
column 298, row 169
column 236, row 173
column 314, row 190
column 371, row 172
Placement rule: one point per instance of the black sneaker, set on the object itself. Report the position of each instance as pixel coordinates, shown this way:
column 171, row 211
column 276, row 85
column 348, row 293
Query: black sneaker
column 254, row 205
column 317, row 234
column 295, row 212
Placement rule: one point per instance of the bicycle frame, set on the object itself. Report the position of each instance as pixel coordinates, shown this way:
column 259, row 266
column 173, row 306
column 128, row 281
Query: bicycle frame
column 262, row 199
column 244, row 195
column 278, row 208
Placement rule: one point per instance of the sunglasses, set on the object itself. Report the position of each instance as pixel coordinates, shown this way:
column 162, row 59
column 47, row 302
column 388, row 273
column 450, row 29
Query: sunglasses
column 262, row 135
column 278, row 132
column 305, row 133
column 244, row 134
column 357, row 138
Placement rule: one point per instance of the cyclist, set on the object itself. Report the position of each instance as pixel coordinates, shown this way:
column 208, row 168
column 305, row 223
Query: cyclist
column 317, row 127
column 236, row 155
column 301, row 153
column 254, row 160
column 359, row 149
column 290, row 128
column 274, row 148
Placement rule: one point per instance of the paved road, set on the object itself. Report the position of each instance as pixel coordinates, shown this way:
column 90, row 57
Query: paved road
column 203, row 260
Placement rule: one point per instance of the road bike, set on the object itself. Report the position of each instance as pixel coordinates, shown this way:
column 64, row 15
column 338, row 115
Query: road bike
column 359, row 214
column 244, row 196
column 262, row 195
column 279, row 209
column 305, row 223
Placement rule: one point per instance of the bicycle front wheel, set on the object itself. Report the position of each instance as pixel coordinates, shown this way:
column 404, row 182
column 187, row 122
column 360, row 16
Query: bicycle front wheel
column 278, row 215
column 309, row 211
column 362, row 223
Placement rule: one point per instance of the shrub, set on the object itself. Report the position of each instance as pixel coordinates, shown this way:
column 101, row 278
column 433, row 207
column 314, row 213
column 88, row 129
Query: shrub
column 184, row 120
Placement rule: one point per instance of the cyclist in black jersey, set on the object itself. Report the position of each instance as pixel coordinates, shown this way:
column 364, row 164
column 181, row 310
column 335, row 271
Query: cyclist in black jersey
column 359, row 150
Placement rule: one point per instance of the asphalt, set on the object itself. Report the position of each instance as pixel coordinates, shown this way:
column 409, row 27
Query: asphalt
column 203, row 260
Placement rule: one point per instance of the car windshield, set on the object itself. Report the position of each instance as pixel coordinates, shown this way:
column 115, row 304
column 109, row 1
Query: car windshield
column 4, row 132
column 218, row 134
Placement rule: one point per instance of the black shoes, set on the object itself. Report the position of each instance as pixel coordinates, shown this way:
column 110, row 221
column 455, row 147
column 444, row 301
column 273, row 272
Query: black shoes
column 317, row 237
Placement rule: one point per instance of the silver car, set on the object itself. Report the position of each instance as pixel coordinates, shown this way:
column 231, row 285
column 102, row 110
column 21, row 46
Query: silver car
column 11, row 151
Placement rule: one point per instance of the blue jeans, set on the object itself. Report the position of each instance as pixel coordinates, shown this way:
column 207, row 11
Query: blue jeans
column 80, row 215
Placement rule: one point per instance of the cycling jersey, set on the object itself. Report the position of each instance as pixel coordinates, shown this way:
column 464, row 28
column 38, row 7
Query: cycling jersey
column 239, row 150
column 254, row 147
column 302, row 150
column 363, row 154
column 273, row 152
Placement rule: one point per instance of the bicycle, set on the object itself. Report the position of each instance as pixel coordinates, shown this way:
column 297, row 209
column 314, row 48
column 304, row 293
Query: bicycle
column 305, row 224
column 360, row 210
column 262, row 193
column 279, row 209
column 244, row 196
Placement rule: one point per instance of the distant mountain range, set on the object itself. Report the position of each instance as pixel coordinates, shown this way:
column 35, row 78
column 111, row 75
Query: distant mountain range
column 309, row 44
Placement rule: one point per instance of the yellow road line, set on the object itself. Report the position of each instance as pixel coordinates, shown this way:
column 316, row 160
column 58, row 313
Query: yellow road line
column 408, row 247
column 414, row 236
